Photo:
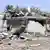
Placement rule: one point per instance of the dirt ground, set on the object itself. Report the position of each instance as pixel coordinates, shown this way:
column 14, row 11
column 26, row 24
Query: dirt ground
column 41, row 43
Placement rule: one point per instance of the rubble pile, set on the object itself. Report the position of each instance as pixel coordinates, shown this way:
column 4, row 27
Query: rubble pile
column 32, row 29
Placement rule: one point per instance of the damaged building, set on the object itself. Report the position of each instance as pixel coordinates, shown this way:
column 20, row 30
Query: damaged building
column 20, row 23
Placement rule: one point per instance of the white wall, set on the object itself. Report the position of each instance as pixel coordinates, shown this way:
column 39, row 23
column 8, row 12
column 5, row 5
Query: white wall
column 35, row 27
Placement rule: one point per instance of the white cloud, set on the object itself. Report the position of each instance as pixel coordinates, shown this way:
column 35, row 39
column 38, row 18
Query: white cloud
column 35, row 5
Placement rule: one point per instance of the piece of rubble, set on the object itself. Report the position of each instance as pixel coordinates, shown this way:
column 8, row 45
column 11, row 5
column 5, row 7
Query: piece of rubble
column 1, row 36
column 5, row 33
column 9, row 43
column 26, row 35
column 12, row 37
column 35, row 45
column 1, row 42
column 21, row 37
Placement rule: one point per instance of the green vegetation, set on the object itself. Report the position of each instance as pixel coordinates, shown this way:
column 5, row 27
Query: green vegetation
column 12, row 11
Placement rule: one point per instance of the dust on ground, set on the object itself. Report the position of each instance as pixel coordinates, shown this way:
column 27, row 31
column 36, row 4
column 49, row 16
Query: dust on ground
column 41, row 43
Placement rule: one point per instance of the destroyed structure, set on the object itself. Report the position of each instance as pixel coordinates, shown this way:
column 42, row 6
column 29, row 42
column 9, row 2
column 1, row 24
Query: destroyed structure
column 16, row 23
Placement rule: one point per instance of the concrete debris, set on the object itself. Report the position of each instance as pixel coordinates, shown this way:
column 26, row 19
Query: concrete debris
column 13, row 37
column 35, row 45
column 21, row 37
column 26, row 36
column 32, row 31
column 35, row 27
column 1, row 36
column 5, row 33
column 9, row 43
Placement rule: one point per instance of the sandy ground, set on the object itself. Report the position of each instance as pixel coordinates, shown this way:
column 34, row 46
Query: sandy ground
column 42, row 43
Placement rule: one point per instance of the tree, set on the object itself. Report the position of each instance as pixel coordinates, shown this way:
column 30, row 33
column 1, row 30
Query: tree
column 17, row 10
column 24, row 10
column 10, row 10
column 9, row 7
column 32, row 9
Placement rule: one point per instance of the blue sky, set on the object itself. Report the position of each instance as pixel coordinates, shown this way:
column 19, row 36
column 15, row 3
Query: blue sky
column 42, row 4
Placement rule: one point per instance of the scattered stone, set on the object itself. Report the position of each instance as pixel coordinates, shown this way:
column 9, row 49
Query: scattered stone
column 26, row 36
column 22, row 37
column 9, row 43
column 1, row 43
column 1, row 36
column 35, row 45
column 11, row 37
column 29, row 39
column 5, row 33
